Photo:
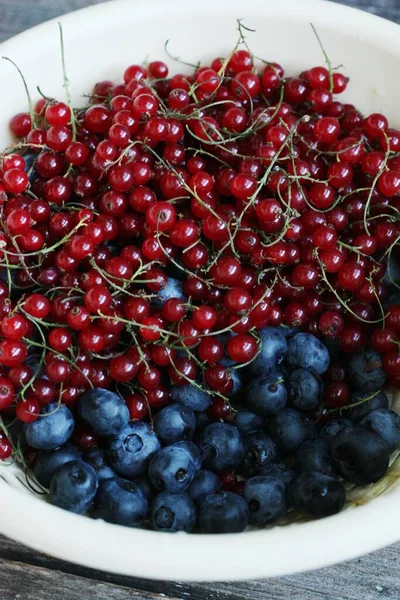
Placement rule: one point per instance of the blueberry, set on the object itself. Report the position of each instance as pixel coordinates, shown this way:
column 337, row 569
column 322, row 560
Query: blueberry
column 223, row 446
column 260, row 450
column 365, row 371
column 289, row 429
column 314, row 455
column 73, row 487
column 237, row 376
column 191, row 396
column 332, row 428
column 50, row 430
column 308, row 352
column 317, row 494
column 48, row 461
column 305, row 389
column 173, row 467
column 223, row 512
column 172, row 289
column 364, row 404
column 105, row 411
column 95, row 457
column 173, row 512
column 144, row 484
column 386, row 423
column 247, row 421
column 174, row 423
column 30, row 158
column 279, row 471
column 360, row 455
column 392, row 274
column 204, row 482
column 287, row 331
column 266, row 394
column 273, row 351
column 393, row 296
column 130, row 452
column 120, row 501
column 202, row 420
column 266, row 497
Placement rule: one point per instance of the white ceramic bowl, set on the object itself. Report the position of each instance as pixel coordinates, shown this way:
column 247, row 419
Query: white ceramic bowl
column 100, row 42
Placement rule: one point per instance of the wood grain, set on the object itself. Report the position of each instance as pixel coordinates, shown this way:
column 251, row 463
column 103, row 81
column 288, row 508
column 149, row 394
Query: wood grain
column 372, row 577
column 29, row 575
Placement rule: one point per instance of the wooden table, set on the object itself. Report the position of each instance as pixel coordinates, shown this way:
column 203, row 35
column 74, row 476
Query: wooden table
column 28, row 575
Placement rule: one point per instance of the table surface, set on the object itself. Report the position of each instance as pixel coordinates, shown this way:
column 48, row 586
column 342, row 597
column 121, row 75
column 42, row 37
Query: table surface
column 28, row 575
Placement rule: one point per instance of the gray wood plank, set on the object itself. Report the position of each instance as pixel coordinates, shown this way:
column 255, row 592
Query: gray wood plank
column 18, row 15
column 24, row 582
column 372, row 577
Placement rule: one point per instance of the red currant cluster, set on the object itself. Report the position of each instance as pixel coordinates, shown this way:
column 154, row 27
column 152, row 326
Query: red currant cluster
column 171, row 210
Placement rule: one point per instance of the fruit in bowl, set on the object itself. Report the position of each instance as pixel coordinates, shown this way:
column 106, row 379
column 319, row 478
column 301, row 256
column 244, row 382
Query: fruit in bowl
column 191, row 317
column 184, row 246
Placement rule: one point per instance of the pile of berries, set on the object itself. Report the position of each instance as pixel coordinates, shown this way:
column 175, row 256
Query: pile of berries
column 160, row 250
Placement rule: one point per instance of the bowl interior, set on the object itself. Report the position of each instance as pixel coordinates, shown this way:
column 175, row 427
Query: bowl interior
column 119, row 33
column 99, row 44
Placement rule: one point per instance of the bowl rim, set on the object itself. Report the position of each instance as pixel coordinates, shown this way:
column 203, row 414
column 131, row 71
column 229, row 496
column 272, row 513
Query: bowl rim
column 204, row 557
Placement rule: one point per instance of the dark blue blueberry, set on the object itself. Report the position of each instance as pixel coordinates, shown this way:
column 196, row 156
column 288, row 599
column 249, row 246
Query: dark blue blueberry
column 266, row 394
column 73, row 487
column 308, row 352
column 305, row 389
column 386, row 423
column 266, row 497
column 105, row 411
column 332, row 428
column 8, row 274
column 204, row 482
column 174, row 423
column 173, row 512
column 260, row 451
column 30, row 158
column 237, row 376
column 50, row 430
column 130, row 452
column 191, row 396
column 120, row 501
column 48, row 461
column 365, row 371
column 279, row 471
column 317, row 494
column 288, row 332
column 273, row 351
column 393, row 296
column 147, row 489
column 289, row 429
column 314, row 455
column 360, row 455
column 34, row 362
column 176, row 269
column 96, row 458
column 364, row 403
column 202, row 420
column 194, row 450
column 247, row 421
column 392, row 275
column 222, row 446
column 173, row 468
column 172, row 289
column 223, row 512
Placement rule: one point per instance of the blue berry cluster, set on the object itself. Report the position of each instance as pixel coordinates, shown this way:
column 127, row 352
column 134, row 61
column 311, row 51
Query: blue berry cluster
column 170, row 474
